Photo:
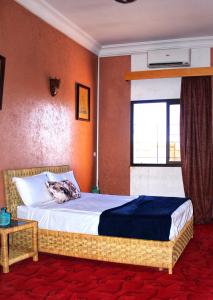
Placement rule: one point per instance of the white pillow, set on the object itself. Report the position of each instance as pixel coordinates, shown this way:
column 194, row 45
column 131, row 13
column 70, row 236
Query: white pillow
column 32, row 189
column 63, row 176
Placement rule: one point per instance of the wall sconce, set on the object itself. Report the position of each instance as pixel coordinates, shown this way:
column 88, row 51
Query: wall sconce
column 54, row 86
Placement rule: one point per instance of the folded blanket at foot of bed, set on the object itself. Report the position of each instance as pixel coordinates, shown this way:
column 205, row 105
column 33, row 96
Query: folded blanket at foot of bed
column 147, row 217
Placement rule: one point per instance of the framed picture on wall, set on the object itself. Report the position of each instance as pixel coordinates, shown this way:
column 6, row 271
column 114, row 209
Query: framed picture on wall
column 82, row 102
column 2, row 67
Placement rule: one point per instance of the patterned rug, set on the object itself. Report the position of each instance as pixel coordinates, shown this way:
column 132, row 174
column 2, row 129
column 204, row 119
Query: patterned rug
column 64, row 278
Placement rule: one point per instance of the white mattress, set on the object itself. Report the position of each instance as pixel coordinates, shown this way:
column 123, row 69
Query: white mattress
column 82, row 215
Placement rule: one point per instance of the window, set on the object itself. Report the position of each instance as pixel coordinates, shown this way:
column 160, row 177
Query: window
column 155, row 132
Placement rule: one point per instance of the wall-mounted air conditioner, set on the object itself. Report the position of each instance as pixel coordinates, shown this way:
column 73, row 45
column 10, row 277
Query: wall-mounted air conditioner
column 169, row 58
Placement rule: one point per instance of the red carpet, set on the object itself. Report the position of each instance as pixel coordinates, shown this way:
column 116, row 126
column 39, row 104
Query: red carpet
column 64, row 278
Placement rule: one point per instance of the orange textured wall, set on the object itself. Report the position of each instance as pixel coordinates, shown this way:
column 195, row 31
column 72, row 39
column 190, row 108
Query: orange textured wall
column 35, row 128
column 114, row 155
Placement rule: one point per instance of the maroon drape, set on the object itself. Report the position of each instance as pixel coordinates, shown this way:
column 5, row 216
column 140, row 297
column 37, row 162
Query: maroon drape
column 196, row 144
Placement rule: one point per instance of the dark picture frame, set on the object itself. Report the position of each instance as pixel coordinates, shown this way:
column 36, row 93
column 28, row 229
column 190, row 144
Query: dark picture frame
column 82, row 102
column 2, row 69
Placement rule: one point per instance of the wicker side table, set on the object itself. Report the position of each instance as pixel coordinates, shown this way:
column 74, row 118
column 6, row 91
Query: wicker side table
column 10, row 254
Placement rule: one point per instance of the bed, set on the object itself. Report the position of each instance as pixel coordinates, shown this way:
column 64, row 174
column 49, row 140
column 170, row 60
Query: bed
column 162, row 255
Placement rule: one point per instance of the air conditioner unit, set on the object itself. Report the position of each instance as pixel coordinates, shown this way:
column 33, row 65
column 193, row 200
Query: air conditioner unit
column 169, row 58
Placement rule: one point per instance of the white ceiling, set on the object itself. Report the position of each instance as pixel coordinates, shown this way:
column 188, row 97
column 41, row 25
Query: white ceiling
column 106, row 22
column 110, row 22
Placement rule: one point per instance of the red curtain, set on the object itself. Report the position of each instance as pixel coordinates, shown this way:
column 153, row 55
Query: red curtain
column 196, row 144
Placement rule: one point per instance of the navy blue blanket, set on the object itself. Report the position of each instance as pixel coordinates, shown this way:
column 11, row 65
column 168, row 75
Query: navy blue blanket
column 147, row 217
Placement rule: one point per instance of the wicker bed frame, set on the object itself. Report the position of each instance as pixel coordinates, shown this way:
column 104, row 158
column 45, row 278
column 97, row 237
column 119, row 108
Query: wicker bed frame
column 112, row 249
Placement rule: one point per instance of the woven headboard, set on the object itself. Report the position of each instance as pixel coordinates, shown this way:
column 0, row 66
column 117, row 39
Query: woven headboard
column 11, row 195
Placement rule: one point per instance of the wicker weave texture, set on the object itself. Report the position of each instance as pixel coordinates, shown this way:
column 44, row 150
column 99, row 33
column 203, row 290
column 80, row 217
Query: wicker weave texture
column 181, row 241
column 112, row 249
column 21, row 239
column 122, row 250
column 10, row 252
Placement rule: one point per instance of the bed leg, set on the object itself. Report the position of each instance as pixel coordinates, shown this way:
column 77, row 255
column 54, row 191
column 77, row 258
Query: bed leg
column 170, row 271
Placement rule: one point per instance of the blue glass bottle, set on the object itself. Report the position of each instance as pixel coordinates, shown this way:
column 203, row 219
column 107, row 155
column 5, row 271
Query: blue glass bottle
column 5, row 217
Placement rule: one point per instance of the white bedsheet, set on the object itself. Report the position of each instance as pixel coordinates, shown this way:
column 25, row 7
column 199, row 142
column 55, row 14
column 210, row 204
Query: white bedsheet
column 82, row 215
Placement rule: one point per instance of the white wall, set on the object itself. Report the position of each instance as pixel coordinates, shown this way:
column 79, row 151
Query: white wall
column 161, row 181
column 165, row 181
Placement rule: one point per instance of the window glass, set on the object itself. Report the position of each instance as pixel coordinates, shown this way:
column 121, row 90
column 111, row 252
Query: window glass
column 149, row 133
column 155, row 132
column 174, row 133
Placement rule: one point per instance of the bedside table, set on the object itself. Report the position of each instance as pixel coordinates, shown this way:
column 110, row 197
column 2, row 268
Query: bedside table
column 9, row 254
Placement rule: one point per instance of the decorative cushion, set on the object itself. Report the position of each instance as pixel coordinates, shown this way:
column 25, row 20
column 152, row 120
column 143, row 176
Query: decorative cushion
column 32, row 189
column 63, row 176
column 62, row 191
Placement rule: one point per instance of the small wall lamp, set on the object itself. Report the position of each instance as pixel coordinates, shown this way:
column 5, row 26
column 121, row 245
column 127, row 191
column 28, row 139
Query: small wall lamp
column 54, row 86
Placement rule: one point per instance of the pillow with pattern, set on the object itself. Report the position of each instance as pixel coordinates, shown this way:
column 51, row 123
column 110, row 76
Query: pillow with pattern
column 62, row 191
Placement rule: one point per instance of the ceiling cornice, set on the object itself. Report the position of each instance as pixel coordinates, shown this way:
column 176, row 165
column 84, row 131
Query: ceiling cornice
column 134, row 48
column 51, row 16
